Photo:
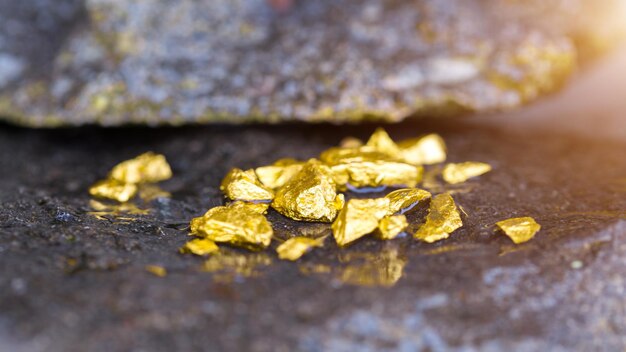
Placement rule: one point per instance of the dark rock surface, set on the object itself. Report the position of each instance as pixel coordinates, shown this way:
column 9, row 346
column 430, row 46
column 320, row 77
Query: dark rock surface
column 72, row 282
column 74, row 62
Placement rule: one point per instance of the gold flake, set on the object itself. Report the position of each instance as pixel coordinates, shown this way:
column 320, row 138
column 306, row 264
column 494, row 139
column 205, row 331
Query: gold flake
column 519, row 230
column 358, row 218
column 457, row 173
column 310, row 195
column 200, row 246
column 146, row 168
column 244, row 185
column 113, row 189
column 443, row 219
column 156, row 270
column 391, row 226
column 426, row 150
column 403, row 200
column 276, row 175
column 236, row 224
column 376, row 173
column 296, row 247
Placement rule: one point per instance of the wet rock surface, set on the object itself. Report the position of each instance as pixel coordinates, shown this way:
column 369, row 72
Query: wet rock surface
column 72, row 282
column 74, row 62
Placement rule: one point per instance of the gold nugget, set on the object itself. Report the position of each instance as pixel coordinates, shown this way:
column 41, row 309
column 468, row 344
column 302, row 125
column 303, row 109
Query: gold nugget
column 519, row 230
column 244, row 185
column 358, row 218
column 443, row 219
column 426, row 150
column 276, row 175
column 457, row 173
column 376, row 173
column 156, row 270
column 113, row 189
column 310, row 195
column 236, row 224
column 381, row 142
column 403, row 200
column 296, row 247
column 200, row 246
column 146, row 168
column 390, row 227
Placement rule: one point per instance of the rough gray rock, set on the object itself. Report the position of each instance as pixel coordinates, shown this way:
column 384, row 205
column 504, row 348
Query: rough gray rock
column 73, row 62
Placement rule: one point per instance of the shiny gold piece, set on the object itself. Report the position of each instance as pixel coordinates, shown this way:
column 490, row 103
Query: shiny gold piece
column 425, row 150
column 381, row 142
column 229, row 265
column 236, row 224
column 384, row 268
column 376, row 173
column 276, row 175
column 443, row 219
column 338, row 156
column 457, row 173
column 310, row 195
column 296, row 247
column 391, row 226
column 244, row 185
column 358, row 218
column 351, row 142
column 403, row 200
column 156, row 270
column 519, row 230
column 113, row 189
column 146, row 168
column 200, row 246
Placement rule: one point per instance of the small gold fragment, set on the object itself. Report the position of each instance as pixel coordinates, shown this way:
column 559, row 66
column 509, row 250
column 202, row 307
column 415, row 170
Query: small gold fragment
column 150, row 192
column 200, row 246
column 296, row 247
column 350, row 142
column 519, row 230
column 236, row 224
column 426, row 150
column 381, row 142
column 310, row 195
column 443, row 219
column 276, row 175
column 457, row 173
column 244, row 185
column 156, row 270
column 403, row 200
column 146, row 168
column 358, row 218
column 391, row 226
column 113, row 189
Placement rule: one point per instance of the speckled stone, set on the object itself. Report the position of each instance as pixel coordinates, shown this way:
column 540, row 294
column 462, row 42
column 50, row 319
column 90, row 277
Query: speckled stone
column 109, row 62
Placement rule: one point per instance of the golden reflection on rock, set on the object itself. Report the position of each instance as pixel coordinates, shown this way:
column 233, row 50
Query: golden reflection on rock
column 102, row 210
column 228, row 265
column 383, row 268
column 296, row 247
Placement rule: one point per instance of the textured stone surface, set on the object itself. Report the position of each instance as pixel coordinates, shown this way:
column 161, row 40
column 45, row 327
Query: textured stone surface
column 173, row 62
column 563, row 290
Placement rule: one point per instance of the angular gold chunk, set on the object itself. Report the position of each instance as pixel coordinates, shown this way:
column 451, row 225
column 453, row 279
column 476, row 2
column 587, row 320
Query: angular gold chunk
column 391, row 226
column 519, row 230
column 146, row 168
column 381, row 142
column 244, row 185
column 113, row 189
column 296, row 247
column 200, row 246
column 425, row 150
column 358, row 218
column 457, row 173
column 156, row 270
column 276, row 175
column 310, row 195
column 376, row 173
column 337, row 156
column 403, row 200
column 443, row 219
column 236, row 224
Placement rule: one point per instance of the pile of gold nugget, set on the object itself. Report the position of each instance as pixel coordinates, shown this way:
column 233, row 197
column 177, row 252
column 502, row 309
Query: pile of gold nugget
column 311, row 191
